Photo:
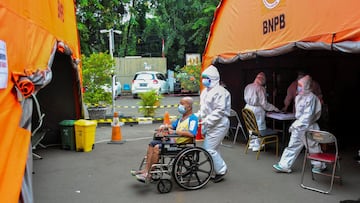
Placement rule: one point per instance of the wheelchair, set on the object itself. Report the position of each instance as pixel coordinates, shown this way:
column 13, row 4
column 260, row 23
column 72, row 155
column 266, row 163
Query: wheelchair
column 190, row 166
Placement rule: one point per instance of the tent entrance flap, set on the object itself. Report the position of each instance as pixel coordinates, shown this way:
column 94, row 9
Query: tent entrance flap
column 57, row 98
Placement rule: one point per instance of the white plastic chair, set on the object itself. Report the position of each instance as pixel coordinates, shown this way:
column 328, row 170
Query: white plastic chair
column 235, row 125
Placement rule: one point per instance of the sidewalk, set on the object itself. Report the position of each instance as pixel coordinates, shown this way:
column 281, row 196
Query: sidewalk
column 102, row 175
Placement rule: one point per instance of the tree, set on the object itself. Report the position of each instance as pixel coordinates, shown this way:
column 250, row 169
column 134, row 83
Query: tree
column 94, row 15
column 183, row 24
column 186, row 25
column 96, row 73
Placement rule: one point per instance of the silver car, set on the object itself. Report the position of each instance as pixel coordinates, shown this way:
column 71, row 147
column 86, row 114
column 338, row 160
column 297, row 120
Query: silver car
column 148, row 80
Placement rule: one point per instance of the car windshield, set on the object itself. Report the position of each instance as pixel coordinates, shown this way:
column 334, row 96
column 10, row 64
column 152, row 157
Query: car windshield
column 144, row 77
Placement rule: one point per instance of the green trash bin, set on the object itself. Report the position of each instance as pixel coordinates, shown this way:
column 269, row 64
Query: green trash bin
column 67, row 132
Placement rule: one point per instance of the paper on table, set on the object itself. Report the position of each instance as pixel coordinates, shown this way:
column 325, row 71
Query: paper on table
column 281, row 116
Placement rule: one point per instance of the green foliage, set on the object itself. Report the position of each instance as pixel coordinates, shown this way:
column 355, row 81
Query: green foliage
column 184, row 25
column 149, row 101
column 96, row 72
column 189, row 77
column 93, row 16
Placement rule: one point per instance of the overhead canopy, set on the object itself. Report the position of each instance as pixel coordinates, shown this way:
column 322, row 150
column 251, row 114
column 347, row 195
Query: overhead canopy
column 279, row 37
column 30, row 35
column 247, row 28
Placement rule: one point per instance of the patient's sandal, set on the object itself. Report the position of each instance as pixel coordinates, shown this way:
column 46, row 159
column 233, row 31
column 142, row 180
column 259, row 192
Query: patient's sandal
column 142, row 177
column 134, row 172
column 137, row 172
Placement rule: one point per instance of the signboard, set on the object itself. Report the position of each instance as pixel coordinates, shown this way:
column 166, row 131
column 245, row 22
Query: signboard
column 3, row 65
column 193, row 59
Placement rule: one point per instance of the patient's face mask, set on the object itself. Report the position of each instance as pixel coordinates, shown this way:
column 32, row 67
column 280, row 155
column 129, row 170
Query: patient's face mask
column 181, row 109
column 206, row 82
column 299, row 89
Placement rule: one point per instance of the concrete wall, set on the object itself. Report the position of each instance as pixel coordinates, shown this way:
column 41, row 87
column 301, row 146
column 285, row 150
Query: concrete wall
column 126, row 67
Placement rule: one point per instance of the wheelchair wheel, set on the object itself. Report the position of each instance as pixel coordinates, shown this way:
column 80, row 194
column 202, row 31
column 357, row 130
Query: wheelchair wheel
column 164, row 185
column 192, row 168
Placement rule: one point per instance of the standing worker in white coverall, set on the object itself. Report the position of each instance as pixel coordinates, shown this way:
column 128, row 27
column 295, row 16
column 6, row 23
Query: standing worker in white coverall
column 307, row 112
column 255, row 98
column 215, row 105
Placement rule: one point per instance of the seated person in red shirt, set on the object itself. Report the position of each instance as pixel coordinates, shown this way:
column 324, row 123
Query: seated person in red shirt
column 292, row 92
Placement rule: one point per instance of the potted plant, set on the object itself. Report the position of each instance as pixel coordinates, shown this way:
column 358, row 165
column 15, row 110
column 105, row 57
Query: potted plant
column 149, row 102
column 96, row 74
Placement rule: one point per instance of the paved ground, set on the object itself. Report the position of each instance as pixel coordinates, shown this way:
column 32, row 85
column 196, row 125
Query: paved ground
column 102, row 175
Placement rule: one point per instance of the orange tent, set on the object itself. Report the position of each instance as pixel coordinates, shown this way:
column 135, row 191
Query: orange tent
column 39, row 56
column 245, row 28
column 282, row 36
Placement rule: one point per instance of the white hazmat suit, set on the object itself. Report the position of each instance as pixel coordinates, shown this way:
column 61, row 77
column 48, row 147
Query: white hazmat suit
column 215, row 105
column 307, row 112
column 255, row 98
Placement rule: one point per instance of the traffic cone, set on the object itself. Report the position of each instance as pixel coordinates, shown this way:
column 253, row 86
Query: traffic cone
column 199, row 136
column 116, row 137
column 166, row 121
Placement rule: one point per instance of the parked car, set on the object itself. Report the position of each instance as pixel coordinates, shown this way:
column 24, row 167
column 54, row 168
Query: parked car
column 108, row 88
column 147, row 80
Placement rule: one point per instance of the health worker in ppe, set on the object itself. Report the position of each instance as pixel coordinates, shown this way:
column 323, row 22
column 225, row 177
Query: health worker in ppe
column 307, row 112
column 215, row 105
column 255, row 98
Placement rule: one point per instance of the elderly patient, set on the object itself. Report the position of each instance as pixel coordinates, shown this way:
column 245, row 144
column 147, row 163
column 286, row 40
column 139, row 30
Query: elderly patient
column 185, row 127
